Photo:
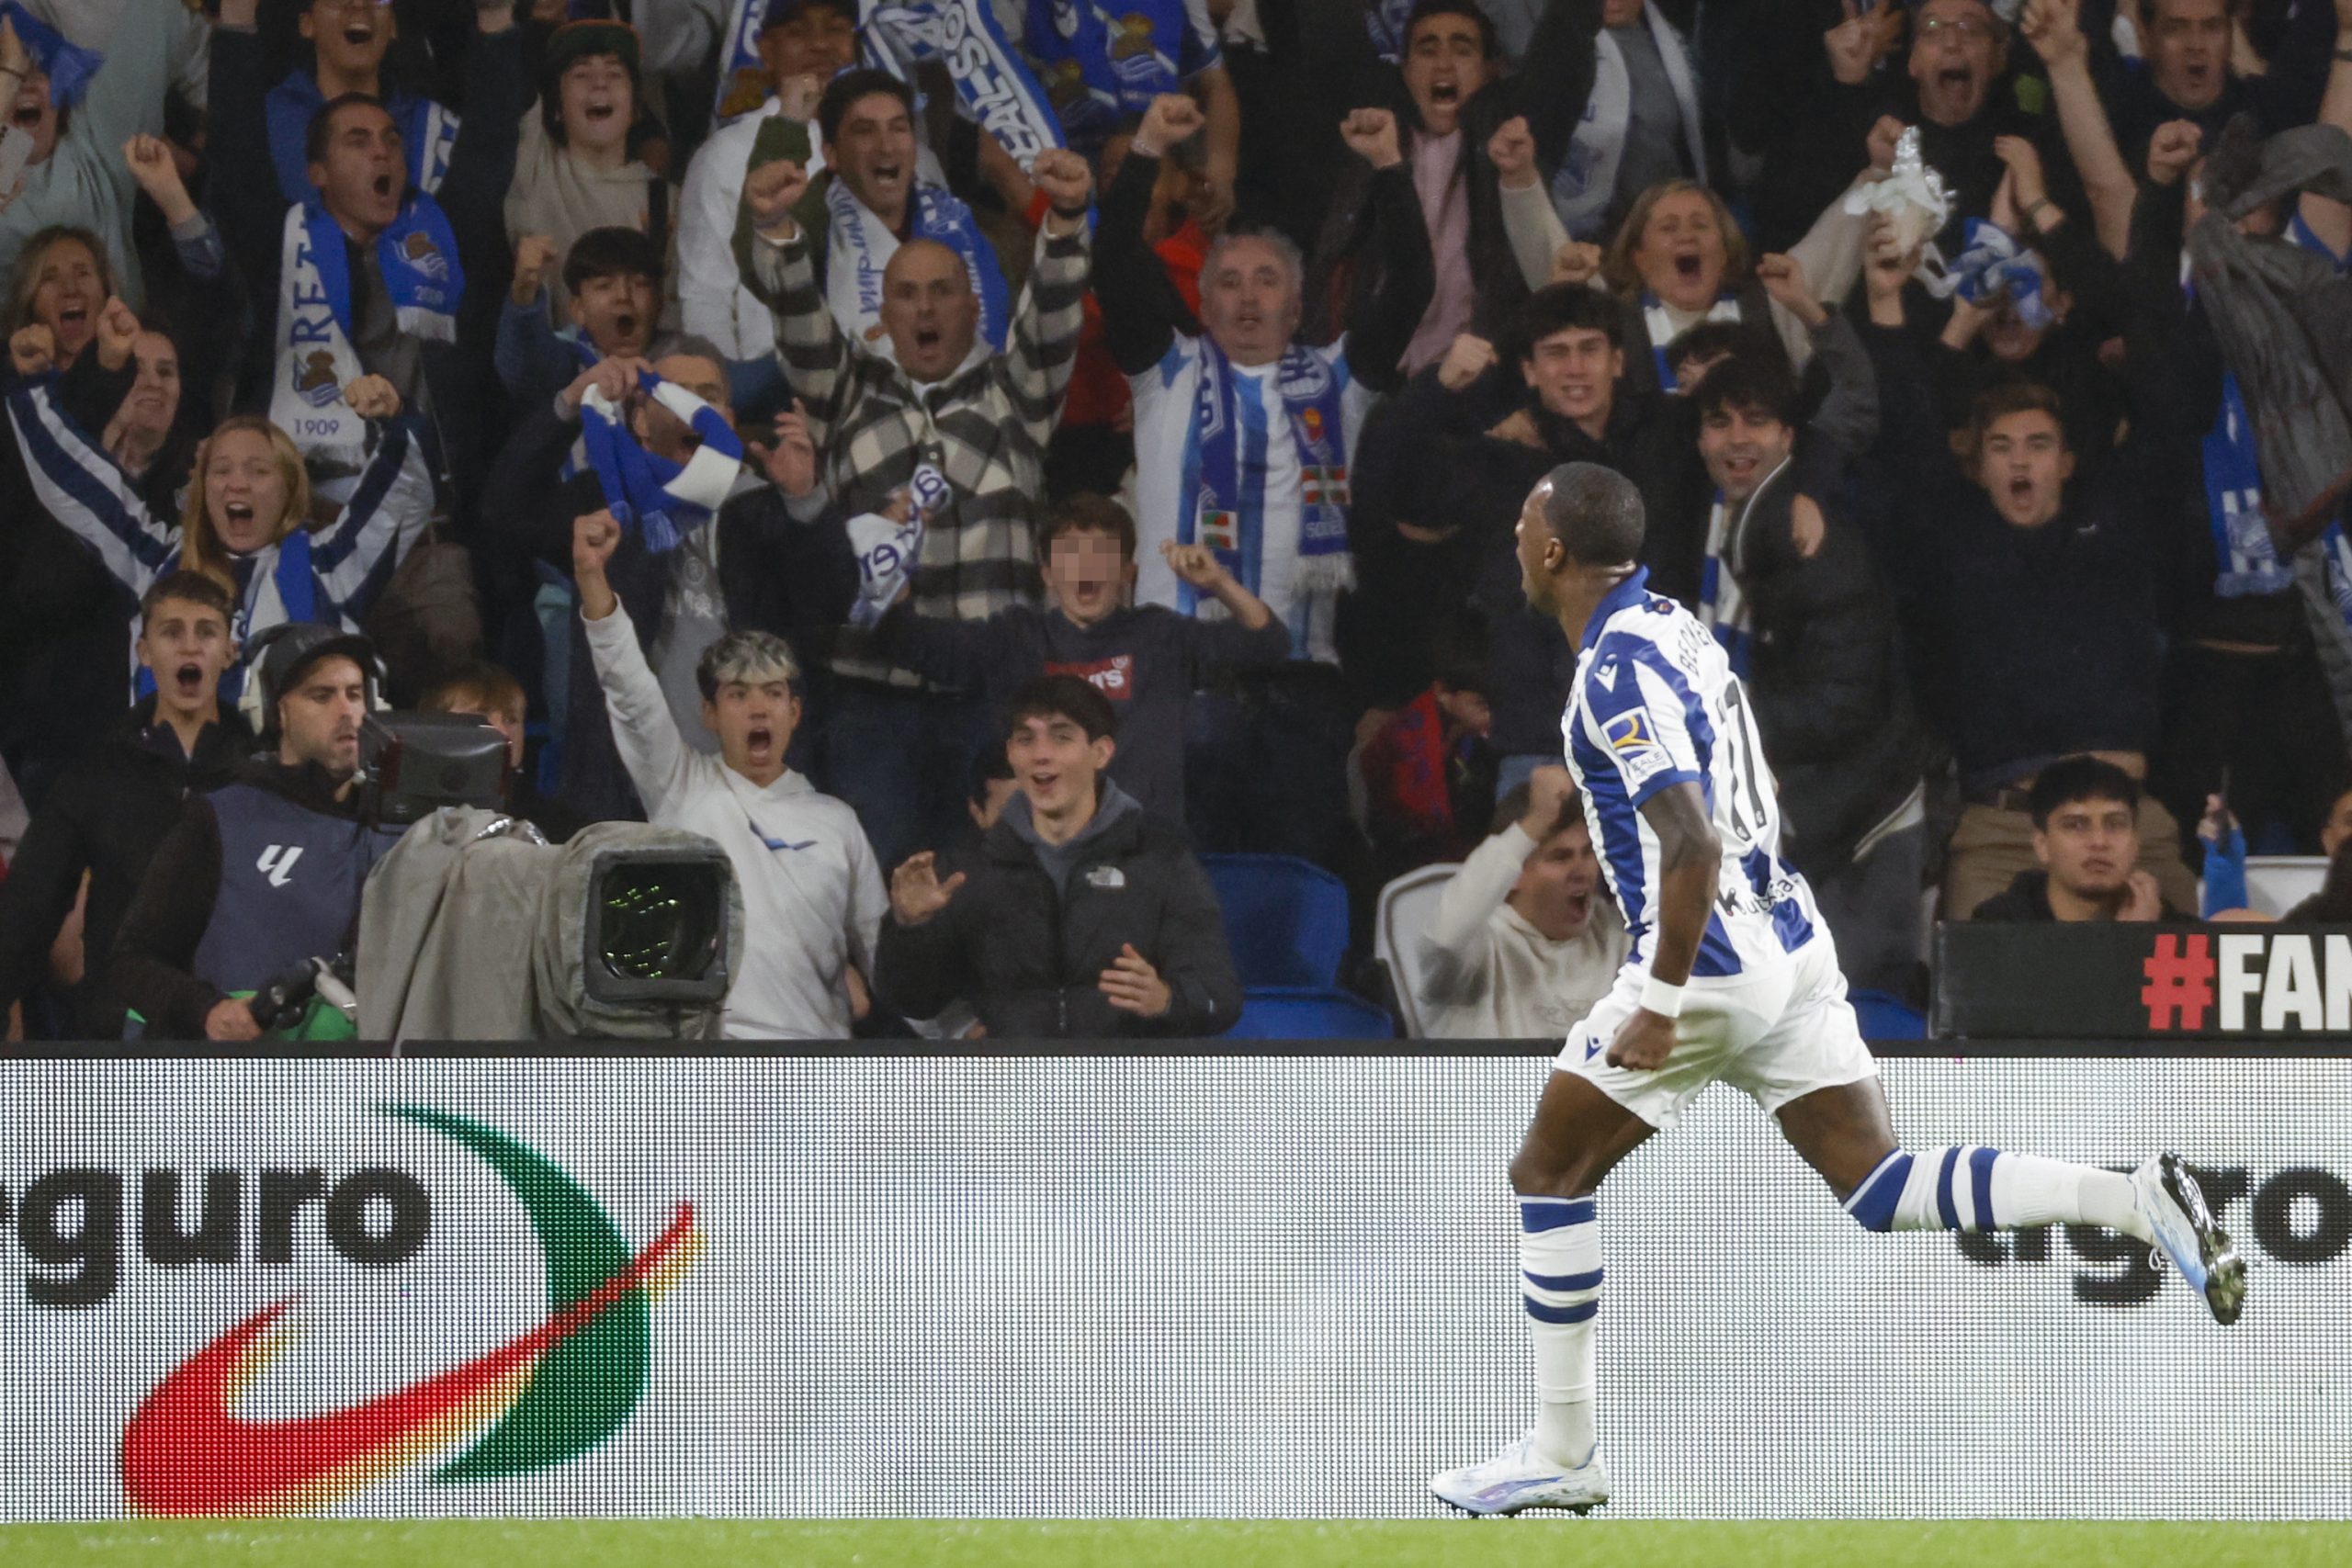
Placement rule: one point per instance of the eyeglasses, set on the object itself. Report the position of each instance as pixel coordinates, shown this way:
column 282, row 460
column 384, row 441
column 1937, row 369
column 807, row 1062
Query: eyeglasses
column 1962, row 27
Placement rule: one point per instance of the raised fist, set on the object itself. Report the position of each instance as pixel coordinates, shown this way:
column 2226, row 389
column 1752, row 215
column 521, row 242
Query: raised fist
column 1549, row 790
column 1885, row 131
column 1196, row 564
column 1371, row 134
column 33, row 349
column 594, row 537
column 372, row 397
column 2054, row 27
column 1065, row 178
column 1512, row 150
column 150, row 163
column 790, row 462
column 534, row 254
column 1172, row 118
column 1466, row 360
column 2173, row 149
column 1783, row 278
column 1576, row 262
column 771, row 191
column 799, row 95
column 119, row 329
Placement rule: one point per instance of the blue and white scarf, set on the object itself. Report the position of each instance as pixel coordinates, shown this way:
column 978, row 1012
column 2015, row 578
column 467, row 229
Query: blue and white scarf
column 2246, row 559
column 1100, row 62
column 1723, row 607
column 1385, row 20
column 1225, row 464
column 68, row 66
column 418, row 258
column 859, row 247
column 647, row 494
column 1993, row 266
column 1662, row 331
column 994, row 88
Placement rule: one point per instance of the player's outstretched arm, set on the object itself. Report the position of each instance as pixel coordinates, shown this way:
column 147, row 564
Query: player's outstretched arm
column 1688, row 856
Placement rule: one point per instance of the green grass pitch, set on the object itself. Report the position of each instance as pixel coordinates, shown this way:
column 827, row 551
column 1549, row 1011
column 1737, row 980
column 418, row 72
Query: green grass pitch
column 1503, row 1543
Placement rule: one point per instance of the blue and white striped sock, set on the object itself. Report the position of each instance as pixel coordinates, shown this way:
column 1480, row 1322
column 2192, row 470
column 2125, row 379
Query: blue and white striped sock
column 1972, row 1188
column 1559, row 1260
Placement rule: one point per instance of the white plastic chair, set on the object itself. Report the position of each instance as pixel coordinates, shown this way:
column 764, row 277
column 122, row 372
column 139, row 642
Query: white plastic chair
column 1405, row 907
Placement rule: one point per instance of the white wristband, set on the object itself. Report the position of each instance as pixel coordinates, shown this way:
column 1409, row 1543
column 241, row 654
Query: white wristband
column 1661, row 998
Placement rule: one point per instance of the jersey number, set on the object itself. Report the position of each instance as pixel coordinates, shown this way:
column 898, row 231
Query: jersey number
column 1745, row 807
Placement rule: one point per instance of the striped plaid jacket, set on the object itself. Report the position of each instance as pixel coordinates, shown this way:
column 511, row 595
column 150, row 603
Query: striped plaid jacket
column 984, row 429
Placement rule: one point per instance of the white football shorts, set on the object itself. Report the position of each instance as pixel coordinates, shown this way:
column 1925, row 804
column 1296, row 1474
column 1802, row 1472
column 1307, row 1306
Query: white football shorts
column 1777, row 1035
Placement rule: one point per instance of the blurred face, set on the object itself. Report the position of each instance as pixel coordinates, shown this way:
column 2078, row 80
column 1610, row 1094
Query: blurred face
column 1742, row 447
column 32, row 113
column 244, row 491
column 1249, row 300
column 68, row 293
column 598, row 103
column 1574, row 373
column 2008, row 338
column 618, row 313
column 154, row 399
column 1682, row 255
column 2338, row 825
column 363, row 175
column 1558, row 885
column 1087, row 574
column 990, row 805
column 2189, row 50
column 929, row 311
column 470, row 704
column 1955, row 53
column 664, row 433
column 1054, row 765
column 874, row 153
column 318, row 719
column 820, row 41
column 1539, row 553
column 350, row 36
column 754, row 719
column 2089, row 847
column 2024, row 466
column 185, row 645
column 1621, row 12
column 1445, row 64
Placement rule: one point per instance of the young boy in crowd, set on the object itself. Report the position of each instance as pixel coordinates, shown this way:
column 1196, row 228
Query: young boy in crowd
column 485, row 692
column 109, row 810
column 1147, row 659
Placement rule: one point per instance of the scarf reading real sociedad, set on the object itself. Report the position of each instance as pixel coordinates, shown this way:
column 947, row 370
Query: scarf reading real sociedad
column 1226, row 469
column 994, row 86
column 418, row 258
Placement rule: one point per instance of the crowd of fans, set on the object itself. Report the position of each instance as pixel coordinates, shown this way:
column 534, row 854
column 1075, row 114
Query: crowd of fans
column 968, row 459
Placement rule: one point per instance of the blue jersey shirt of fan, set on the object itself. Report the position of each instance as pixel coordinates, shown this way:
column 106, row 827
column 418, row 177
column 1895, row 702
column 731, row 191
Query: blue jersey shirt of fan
column 1655, row 704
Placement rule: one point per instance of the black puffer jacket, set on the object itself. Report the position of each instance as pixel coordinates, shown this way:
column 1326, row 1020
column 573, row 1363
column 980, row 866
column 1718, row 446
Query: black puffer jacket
column 1825, row 677
column 1028, row 958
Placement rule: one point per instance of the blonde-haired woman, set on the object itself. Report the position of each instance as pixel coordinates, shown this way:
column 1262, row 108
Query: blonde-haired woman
column 247, row 519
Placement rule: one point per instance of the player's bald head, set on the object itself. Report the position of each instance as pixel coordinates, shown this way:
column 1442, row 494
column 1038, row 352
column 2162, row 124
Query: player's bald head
column 1595, row 513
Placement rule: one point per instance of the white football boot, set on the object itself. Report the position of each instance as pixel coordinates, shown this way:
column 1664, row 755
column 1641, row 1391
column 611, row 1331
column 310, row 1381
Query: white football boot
column 2163, row 1189
column 1517, row 1478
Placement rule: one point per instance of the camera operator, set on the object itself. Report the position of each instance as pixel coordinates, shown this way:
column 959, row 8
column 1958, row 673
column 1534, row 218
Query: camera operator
column 267, row 872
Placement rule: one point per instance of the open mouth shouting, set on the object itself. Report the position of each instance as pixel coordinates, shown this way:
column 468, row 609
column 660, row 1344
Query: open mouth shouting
column 386, row 186
column 887, row 179
column 360, row 31
column 600, row 110
column 25, row 114
column 759, row 743
column 73, row 322
column 187, row 680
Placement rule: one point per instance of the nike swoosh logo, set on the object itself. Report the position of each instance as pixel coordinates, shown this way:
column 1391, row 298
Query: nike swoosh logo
column 184, row 1453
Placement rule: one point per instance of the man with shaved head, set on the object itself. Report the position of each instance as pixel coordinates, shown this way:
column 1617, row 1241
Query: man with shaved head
column 927, row 425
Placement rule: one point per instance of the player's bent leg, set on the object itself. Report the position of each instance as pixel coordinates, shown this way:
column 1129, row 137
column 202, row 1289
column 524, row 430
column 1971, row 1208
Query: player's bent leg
column 1578, row 1134
column 1844, row 1133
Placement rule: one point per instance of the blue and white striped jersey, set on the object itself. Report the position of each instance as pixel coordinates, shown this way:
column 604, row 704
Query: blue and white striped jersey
column 1654, row 705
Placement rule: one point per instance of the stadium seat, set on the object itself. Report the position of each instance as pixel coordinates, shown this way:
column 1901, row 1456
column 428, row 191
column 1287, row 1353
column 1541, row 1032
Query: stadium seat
column 1309, row 1013
column 1887, row 1017
column 2276, row 883
column 1405, row 907
column 1286, row 918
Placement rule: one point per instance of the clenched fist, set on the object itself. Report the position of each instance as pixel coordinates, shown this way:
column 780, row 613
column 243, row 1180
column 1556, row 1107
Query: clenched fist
column 1065, row 178
column 594, row 537
column 534, row 254
column 1371, row 134
column 1512, row 150
column 32, row 349
column 1172, row 118
column 372, row 397
column 2173, row 149
column 119, row 329
column 771, row 191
